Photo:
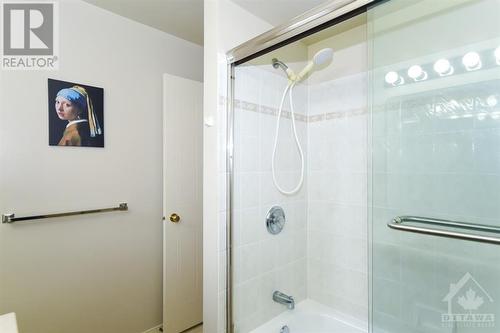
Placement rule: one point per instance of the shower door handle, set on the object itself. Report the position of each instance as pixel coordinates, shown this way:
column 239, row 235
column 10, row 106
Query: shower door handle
column 398, row 223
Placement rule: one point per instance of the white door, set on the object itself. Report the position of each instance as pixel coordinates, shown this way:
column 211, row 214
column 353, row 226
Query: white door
column 182, row 182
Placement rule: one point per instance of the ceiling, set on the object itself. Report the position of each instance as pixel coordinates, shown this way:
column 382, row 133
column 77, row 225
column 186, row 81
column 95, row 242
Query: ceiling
column 184, row 18
column 277, row 12
column 181, row 18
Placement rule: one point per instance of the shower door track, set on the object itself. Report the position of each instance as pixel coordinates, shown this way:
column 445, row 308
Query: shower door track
column 314, row 20
column 319, row 18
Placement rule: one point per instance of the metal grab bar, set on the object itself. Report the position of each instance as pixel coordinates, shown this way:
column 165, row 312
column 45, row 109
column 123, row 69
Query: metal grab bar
column 398, row 224
column 10, row 218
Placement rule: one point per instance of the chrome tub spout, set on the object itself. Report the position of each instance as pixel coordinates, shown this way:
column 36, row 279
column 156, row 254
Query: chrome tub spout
column 284, row 299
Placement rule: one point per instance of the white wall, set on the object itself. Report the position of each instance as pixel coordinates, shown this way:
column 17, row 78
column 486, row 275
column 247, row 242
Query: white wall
column 96, row 273
column 226, row 26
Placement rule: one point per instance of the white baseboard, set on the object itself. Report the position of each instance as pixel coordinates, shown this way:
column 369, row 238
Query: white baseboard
column 155, row 329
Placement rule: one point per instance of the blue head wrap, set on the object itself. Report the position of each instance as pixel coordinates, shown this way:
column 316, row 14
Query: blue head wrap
column 74, row 97
column 79, row 97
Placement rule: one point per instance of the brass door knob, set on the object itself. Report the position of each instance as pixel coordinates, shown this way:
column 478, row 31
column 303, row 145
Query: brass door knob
column 174, row 218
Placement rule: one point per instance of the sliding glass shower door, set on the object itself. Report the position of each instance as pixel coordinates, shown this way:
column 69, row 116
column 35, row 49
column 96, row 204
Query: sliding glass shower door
column 435, row 135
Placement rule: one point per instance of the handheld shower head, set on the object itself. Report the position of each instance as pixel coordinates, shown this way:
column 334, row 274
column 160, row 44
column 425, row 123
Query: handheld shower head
column 321, row 57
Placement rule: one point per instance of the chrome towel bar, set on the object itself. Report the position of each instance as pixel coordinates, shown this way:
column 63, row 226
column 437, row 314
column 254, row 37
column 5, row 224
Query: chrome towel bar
column 398, row 223
column 11, row 218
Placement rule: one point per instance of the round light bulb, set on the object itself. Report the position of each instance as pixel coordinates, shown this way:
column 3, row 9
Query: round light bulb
column 393, row 78
column 471, row 61
column 497, row 55
column 417, row 73
column 491, row 101
column 443, row 67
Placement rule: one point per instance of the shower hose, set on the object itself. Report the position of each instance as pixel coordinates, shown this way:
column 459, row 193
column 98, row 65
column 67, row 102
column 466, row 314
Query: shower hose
column 289, row 88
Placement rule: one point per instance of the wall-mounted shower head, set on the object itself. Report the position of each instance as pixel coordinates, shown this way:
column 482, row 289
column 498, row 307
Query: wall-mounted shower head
column 277, row 64
column 280, row 64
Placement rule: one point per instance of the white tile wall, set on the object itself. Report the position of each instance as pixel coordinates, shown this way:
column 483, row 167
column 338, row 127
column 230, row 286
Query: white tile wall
column 337, row 181
column 337, row 214
column 341, row 94
column 263, row 262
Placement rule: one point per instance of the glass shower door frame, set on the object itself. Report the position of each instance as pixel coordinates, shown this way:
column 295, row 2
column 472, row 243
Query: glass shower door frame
column 317, row 19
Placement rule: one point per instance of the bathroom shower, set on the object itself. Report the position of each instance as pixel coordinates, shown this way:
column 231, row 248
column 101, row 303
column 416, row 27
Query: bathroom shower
column 320, row 59
column 382, row 211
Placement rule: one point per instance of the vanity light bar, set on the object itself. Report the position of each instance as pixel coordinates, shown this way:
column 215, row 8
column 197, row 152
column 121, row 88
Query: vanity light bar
column 469, row 62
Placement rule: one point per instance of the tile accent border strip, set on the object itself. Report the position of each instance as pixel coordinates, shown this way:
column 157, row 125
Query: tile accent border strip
column 271, row 111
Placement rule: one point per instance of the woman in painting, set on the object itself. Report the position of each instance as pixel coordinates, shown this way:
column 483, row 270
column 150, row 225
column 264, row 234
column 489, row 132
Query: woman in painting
column 75, row 106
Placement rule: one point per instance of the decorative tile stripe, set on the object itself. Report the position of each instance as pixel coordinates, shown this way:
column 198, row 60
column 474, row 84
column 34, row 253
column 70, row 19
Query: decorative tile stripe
column 263, row 109
column 271, row 111
column 315, row 118
column 337, row 115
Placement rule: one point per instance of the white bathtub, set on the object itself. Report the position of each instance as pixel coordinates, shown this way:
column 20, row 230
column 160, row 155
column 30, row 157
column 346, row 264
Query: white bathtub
column 312, row 317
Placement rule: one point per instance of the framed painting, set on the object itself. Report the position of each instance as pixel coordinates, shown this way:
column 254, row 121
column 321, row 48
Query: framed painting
column 76, row 114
